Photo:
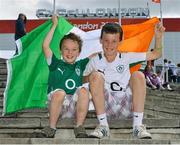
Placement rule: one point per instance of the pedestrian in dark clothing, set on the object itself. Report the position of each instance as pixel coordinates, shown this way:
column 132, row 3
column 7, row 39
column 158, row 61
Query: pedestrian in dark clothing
column 20, row 29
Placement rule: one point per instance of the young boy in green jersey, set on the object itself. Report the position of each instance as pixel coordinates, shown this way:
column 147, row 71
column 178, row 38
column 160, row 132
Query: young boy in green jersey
column 64, row 79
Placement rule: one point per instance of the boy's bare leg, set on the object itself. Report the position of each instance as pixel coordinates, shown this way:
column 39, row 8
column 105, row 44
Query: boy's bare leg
column 138, row 87
column 81, row 112
column 82, row 106
column 55, row 107
column 96, row 82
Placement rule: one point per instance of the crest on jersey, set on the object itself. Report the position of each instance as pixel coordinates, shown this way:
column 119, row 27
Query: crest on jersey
column 120, row 68
column 78, row 72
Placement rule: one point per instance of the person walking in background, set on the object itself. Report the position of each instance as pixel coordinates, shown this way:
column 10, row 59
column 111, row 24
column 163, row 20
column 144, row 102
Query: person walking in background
column 165, row 70
column 172, row 72
column 20, row 29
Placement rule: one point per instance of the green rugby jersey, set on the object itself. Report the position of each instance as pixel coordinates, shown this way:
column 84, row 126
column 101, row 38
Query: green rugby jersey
column 65, row 76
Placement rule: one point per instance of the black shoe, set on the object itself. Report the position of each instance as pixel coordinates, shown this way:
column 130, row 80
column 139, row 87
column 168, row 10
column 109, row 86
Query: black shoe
column 80, row 132
column 48, row 132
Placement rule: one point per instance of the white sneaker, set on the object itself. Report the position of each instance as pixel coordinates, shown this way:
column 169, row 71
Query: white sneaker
column 100, row 132
column 140, row 132
column 169, row 88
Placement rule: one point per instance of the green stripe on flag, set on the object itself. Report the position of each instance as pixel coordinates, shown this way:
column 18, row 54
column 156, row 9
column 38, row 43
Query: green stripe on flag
column 28, row 71
column 133, row 64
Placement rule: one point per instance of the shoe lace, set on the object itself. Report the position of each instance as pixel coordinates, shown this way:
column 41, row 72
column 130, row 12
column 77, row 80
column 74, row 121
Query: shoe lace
column 142, row 128
column 139, row 130
column 102, row 129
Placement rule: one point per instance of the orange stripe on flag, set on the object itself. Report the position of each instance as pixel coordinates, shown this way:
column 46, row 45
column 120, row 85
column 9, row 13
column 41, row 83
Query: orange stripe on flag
column 156, row 1
column 137, row 38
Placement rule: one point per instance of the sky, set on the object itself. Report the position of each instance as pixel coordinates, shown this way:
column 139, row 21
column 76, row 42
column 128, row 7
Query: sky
column 9, row 9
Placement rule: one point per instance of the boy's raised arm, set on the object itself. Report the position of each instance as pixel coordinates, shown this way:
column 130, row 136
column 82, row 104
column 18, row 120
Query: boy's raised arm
column 157, row 52
column 46, row 44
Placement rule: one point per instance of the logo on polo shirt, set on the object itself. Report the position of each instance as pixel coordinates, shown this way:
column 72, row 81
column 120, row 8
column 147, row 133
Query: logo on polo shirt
column 120, row 68
column 78, row 71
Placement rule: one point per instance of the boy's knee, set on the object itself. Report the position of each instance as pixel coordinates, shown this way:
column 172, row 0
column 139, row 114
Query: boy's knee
column 138, row 75
column 95, row 76
column 59, row 95
column 83, row 91
column 83, row 94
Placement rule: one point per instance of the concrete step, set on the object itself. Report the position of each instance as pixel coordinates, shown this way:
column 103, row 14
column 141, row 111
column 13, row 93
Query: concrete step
column 165, row 92
column 150, row 113
column 2, row 84
column 35, row 110
column 174, row 111
column 37, row 113
column 162, row 98
column 163, row 109
column 85, row 141
column 2, row 61
column 3, row 77
column 2, row 92
column 1, row 103
column 3, row 66
column 35, row 123
column 164, row 104
column 3, row 71
column 30, row 113
column 27, row 115
column 69, row 133
column 168, row 95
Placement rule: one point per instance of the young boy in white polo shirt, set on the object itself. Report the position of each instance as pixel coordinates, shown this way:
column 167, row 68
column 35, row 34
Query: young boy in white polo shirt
column 118, row 93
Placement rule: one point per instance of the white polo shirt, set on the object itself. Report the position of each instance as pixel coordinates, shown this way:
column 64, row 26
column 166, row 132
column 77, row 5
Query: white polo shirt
column 116, row 73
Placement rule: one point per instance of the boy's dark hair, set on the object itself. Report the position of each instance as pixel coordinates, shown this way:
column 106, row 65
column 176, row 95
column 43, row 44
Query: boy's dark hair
column 73, row 37
column 112, row 28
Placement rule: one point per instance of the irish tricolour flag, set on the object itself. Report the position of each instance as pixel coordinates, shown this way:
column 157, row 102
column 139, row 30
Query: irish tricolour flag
column 28, row 71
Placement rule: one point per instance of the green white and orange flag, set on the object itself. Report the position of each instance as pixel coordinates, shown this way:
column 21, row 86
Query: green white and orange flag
column 28, row 71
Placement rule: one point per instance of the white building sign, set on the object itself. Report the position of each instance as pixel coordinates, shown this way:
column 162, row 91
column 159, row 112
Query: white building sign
column 98, row 12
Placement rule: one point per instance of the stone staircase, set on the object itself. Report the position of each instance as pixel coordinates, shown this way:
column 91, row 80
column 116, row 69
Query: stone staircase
column 162, row 116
